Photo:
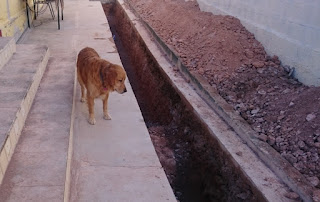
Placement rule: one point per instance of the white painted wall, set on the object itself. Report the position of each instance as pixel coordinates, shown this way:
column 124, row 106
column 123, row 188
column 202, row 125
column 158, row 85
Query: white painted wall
column 287, row 28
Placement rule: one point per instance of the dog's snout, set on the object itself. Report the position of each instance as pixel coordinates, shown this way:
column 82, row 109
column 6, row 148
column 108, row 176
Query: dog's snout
column 125, row 90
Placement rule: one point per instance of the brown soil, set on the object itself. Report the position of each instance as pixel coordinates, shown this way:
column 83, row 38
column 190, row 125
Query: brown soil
column 283, row 111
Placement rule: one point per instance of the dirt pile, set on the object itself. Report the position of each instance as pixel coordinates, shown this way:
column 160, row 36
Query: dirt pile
column 284, row 112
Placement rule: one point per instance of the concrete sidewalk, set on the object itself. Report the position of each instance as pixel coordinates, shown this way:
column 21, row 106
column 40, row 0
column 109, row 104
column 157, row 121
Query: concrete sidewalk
column 112, row 160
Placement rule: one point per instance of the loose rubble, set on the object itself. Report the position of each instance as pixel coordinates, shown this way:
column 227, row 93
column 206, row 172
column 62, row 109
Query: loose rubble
column 284, row 112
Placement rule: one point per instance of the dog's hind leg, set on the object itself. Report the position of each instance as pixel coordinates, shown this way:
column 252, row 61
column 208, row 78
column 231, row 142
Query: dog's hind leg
column 90, row 101
column 83, row 88
column 105, row 108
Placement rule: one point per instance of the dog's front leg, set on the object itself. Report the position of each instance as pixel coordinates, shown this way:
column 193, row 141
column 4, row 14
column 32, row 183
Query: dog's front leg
column 105, row 107
column 90, row 101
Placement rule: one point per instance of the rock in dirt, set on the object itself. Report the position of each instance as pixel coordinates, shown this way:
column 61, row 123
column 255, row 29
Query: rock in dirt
column 316, row 195
column 255, row 111
column 292, row 195
column 299, row 165
column 310, row 117
column 301, row 144
column 279, row 139
column 291, row 104
column 286, row 68
column 258, row 64
column 260, row 120
column 240, row 106
column 262, row 92
column 281, row 117
column 271, row 140
column 249, row 53
column 263, row 137
column 260, row 70
column 313, row 180
column 243, row 196
column 290, row 158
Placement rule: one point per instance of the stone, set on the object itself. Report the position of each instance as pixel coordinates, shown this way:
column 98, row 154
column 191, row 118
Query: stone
column 309, row 142
column 271, row 140
column 257, row 129
column 286, row 91
column 288, row 129
column 243, row 195
column 281, row 117
column 279, row 139
column 286, row 68
column 262, row 92
column 254, row 111
column 291, row 195
column 271, row 64
column 249, row 53
column 310, row 117
column 240, row 106
column 275, row 58
column 263, row 137
column 301, row 144
column 260, row 120
column 299, row 165
column 267, row 58
column 316, row 195
column 186, row 130
column 313, row 180
column 260, row 70
column 290, row 158
column 283, row 147
column 299, row 152
column 258, row 64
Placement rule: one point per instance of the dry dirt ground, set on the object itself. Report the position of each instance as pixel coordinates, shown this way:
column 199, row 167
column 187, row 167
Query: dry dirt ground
column 284, row 112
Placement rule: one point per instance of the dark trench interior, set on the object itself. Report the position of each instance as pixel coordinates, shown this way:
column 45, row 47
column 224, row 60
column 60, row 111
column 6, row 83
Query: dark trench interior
column 196, row 166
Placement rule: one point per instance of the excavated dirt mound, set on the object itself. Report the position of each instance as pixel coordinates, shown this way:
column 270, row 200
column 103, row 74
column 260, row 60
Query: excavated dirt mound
column 283, row 111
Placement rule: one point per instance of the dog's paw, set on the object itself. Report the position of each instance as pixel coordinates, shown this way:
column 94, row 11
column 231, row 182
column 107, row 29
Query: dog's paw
column 92, row 121
column 83, row 99
column 107, row 117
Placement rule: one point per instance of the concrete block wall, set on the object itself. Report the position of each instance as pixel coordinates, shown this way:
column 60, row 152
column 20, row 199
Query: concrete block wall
column 13, row 17
column 287, row 28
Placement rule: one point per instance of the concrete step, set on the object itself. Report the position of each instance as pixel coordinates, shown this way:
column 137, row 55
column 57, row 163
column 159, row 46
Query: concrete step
column 38, row 166
column 7, row 48
column 19, row 81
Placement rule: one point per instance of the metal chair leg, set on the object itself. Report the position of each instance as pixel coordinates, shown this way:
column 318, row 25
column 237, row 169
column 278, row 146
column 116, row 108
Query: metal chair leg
column 27, row 8
column 58, row 15
column 35, row 10
column 62, row 6
column 51, row 10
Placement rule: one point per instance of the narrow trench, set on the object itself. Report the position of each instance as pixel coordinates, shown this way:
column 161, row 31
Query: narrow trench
column 195, row 165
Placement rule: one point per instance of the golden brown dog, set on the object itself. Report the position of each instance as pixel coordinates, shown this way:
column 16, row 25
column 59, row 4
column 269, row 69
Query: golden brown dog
column 98, row 77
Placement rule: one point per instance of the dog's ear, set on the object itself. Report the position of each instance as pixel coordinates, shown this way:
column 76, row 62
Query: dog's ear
column 110, row 76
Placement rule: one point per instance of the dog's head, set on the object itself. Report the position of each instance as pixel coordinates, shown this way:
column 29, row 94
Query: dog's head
column 114, row 77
